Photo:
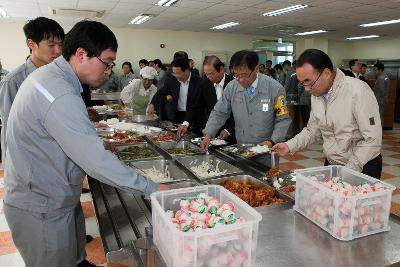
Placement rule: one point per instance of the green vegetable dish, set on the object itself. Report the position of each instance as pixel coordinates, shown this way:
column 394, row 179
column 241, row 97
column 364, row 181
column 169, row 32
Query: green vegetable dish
column 132, row 133
column 135, row 152
column 177, row 150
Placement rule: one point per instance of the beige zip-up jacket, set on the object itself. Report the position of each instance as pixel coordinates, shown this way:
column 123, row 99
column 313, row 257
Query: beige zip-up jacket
column 348, row 122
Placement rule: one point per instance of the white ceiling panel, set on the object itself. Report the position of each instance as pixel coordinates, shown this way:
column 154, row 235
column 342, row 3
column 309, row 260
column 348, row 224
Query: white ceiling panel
column 341, row 17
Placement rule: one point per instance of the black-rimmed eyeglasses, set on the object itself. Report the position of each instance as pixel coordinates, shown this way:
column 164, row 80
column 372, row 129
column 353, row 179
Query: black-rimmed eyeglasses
column 109, row 66
column 311, row 84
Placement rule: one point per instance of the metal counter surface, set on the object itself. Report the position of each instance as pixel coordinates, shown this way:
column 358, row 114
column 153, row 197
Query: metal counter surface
column 286, row 238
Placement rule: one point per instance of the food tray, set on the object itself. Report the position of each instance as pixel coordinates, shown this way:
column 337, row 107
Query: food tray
column 203, row 247
column 241, row 150
column 183, row 184
column 247, row 179
column 197, row 160
column 162, row 133
column 165, row 146
column 344, row 217
column 285, row 181
column 121, row 154
column 176, row 174
column 213, row 142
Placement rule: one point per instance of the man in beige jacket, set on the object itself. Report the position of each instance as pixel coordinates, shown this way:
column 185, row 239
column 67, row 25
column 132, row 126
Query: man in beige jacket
column 344, row 113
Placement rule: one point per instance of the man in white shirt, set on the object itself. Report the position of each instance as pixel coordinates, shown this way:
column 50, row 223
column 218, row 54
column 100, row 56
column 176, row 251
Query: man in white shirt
column 355, row 67
column 179, row 91
column 214, row 84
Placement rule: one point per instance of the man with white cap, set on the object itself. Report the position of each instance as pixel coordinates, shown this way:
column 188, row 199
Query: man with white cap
column 140, row 92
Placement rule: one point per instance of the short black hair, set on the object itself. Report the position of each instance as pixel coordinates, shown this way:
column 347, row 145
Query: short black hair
column 379, row 66
column 42, row 28
column 352, row 62
column 144, row 61
column 244, row 58
column 93, row 36
column 181, row 54
column 316, row 58
column 180, row 63
column 286, row 62
column 215, row 61
column 363, row 65
column 278, row 67
column 129, row 65
column 270, row 61
column 262, row 65
column 159, row 63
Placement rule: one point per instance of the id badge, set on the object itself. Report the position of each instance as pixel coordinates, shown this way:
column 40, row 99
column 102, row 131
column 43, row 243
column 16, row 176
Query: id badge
column 265, row 107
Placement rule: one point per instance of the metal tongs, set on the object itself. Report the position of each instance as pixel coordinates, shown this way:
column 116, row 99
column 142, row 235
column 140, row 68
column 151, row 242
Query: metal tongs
column 273, row 160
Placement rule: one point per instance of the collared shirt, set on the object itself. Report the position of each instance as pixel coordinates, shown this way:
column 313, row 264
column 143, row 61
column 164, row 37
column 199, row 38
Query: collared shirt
column 357, row 75
column 183, row 93
column 327, row 95
column 51, row 148
column 219, row 87
column 254, row 84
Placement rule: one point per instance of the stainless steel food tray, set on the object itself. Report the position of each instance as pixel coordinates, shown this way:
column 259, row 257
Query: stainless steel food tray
column 176, row 173
column 164, row 146
column 120, row 148
column 248, row 179
column 190, row 161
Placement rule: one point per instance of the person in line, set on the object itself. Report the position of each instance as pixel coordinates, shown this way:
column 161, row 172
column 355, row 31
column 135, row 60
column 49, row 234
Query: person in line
column 127, row 75
column 381, row 88
column 143, row 63
column 161, row 73
column 258, row 105
column 214, row 84
column 344, row 114
column 44, row 39
column 52, row 144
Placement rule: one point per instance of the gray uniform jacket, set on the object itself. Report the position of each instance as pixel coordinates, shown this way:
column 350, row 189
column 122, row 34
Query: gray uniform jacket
column 8, row 90
column 260, row 117
column 290, row 82
column 52, row 144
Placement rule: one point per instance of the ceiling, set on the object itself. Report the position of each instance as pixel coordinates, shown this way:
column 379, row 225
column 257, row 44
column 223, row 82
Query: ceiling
column 340, row 18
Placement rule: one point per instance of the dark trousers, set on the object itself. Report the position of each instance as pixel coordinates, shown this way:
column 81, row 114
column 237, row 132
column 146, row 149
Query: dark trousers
column 372, row 168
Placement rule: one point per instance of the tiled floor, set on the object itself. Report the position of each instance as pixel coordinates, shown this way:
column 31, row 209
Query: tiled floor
column 312, row 157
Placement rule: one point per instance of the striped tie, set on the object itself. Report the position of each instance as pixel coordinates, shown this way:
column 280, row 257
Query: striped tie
column 250, row 91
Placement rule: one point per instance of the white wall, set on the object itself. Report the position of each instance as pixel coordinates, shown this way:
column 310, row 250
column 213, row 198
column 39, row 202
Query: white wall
column 135, row 44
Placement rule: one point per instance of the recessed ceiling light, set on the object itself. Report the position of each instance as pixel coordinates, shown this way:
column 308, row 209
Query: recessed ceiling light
column 224, row 26
column 363, row 37
column 381, row 23
column 140, row 19
column 3, row 13
column 311, row 32
column 166, row 2
column 284, row 10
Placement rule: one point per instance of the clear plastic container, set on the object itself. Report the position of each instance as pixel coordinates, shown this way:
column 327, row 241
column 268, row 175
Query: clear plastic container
column 344, row 217
column 204, row 247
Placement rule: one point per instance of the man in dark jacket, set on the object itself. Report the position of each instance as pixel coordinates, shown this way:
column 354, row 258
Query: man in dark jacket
column 179, row 92
column 208, row 96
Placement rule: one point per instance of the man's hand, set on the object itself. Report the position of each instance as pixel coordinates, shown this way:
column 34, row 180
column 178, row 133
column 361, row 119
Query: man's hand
column 162, row 187
column 224, row 134
column 281, row 148
column 182, row 130
column 169, row 98
column 205, row 142
column 150, row 110
column 266, row 143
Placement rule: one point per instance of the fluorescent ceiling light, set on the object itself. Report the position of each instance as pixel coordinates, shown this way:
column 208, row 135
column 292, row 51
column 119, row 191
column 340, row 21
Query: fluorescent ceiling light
column 166, row 2
column 3, row 13
column 381, row 23
column 224, row 26
column 311, row 32
column 284, row 10
column 363, row 37
column 140, row 19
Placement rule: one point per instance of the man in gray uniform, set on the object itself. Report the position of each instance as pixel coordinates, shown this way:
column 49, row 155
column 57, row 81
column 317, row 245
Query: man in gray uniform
column 381, row 88
column 258, row 104
column 290, row 82
column 43, row 38
column 52, row 144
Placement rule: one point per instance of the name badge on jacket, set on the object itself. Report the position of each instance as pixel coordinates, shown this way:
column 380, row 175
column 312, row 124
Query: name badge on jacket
column 264, row 107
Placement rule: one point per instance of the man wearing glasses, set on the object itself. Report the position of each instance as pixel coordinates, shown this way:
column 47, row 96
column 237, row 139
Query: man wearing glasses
column 344, row 113
column 52, row 144
column 257, row 102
